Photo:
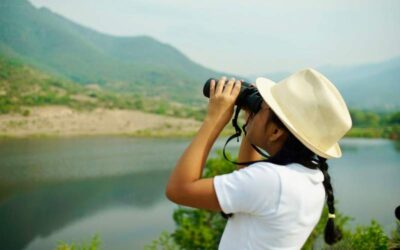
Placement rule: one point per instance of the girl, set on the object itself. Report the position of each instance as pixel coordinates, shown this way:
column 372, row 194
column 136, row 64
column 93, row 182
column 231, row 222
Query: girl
column 275, row 203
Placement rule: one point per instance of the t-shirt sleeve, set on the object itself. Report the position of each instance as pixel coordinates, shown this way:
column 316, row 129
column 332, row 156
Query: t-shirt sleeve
column 254, row 189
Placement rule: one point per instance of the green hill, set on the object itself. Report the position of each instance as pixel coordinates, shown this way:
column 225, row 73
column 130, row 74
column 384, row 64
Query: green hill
column 149, row 68
column 22, row 86
column 136, row 64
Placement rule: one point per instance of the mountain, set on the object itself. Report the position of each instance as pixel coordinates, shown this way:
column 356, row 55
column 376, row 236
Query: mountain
column 373, row 86
column 141, row 64
column 23, row 86
column 147, row 67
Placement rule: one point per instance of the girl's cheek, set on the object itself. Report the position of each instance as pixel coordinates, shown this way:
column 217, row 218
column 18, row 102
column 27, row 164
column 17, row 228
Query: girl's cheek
column 252, row 127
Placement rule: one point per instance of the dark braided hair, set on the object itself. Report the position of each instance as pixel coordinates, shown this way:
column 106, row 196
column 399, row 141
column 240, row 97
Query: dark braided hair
column 332, row 233
column 293, row 151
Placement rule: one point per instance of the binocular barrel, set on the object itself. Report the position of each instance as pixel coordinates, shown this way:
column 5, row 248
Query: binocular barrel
column 249, row 98
column 206, row 88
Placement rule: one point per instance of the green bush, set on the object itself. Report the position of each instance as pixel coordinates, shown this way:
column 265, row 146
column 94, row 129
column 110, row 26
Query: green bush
column 26, row 112
column 370, row 237
column 164, row 242
column 94, row 244
column 394, row 242
column 197, row 229
column 394, row 119
column 364, row 238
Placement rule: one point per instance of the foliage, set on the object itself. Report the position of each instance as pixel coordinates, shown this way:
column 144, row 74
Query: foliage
column 94, row 244
column 370, row 237
column 390, row 132
column 375, row 125
column 197, row 228
column 364, row 238
column 318, row 232
column 125, row 64
column 218, row 165
column 164, row 242
column 364, row 118
column 22, row 87
column 394, row 242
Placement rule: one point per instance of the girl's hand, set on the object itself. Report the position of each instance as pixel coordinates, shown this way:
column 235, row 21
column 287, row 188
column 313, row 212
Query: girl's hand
column 222, row 100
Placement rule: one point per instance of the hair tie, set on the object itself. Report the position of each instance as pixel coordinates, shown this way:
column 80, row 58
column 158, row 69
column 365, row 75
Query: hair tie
column 331, row 216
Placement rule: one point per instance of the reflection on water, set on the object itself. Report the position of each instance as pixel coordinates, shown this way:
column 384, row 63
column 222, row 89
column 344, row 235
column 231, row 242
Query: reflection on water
column 47, row 185
column 69, row 189
column 68, row 158
column 397, row 145
column 45, row 209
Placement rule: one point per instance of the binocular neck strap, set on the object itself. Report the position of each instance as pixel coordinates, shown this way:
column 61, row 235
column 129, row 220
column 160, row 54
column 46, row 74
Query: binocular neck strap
column 237, row 135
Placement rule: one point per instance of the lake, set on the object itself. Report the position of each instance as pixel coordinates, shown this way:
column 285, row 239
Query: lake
column 68, row 189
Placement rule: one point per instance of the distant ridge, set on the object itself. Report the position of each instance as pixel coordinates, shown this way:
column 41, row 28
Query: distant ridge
column 373, row 86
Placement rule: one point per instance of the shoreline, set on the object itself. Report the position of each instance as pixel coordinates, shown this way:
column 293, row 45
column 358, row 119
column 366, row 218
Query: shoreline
column 146, row 133
column 140, row 134
column 61, row 121
column 64, row 122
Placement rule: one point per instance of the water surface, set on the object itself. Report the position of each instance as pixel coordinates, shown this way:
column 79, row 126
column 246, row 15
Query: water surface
column 71, row 188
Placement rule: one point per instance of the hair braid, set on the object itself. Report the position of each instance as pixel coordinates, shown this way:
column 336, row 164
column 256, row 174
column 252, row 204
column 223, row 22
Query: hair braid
column 332, row 233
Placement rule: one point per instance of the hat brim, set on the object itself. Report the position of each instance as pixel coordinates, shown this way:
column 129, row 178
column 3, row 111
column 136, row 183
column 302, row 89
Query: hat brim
column 264, row 86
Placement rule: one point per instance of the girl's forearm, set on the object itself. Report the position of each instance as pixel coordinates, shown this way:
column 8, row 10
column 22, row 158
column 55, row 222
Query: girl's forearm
column 189, row 167
column 185, row 186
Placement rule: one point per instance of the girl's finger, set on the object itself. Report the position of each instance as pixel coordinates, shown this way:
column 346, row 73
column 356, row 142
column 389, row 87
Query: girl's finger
column 229, row 86
column 236, row 88
column 212, row 88
column 220, row 85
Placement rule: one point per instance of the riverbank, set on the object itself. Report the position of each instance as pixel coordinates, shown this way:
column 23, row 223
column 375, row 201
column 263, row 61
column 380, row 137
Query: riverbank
column 60, row 121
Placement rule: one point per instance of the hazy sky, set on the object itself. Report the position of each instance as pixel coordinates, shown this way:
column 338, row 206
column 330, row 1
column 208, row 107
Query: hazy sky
column 251, row 36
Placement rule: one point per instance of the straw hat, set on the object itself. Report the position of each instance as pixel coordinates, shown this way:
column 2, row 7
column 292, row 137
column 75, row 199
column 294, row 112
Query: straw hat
column 311, row 108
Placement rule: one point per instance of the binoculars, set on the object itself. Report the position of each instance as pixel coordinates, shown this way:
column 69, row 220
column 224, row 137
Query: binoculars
column 248, row 99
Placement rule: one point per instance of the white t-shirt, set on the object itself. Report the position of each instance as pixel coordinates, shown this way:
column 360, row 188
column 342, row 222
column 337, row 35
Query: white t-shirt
column 274, row 206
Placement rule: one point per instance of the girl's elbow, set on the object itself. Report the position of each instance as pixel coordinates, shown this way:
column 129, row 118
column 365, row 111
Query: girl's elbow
column 172, row 194
column 176, row 194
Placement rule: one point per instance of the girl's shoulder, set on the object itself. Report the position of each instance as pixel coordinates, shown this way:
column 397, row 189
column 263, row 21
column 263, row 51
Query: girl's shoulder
column 293, row 169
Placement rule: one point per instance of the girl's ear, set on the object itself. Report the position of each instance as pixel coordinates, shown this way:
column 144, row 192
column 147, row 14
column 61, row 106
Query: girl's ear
column 277, row 134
